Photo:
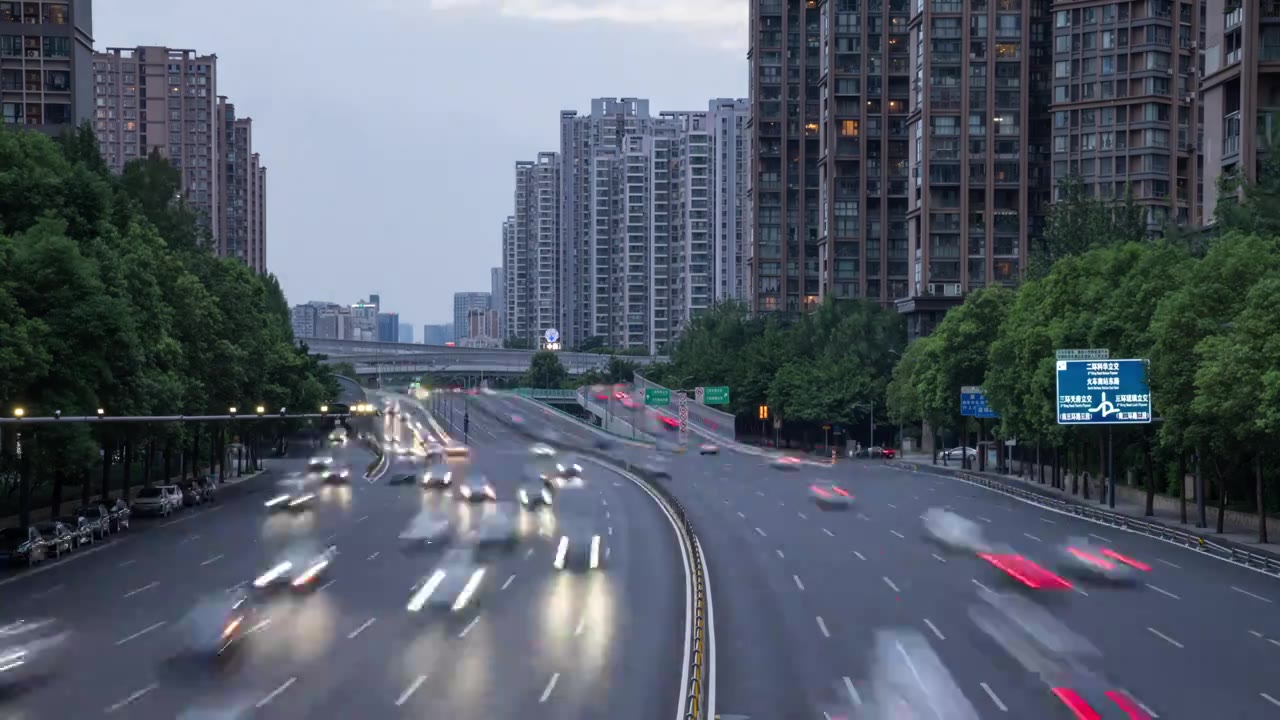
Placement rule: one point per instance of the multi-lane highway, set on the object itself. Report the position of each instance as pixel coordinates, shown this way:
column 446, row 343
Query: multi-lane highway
column 536, row 643
column 798, row 593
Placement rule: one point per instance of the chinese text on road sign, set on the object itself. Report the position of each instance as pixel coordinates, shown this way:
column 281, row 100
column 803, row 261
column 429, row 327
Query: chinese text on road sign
column 657, row 396
column 1103, row 392
column 973, row 403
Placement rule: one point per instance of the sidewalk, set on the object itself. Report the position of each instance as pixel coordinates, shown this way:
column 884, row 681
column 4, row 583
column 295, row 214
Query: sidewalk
column 1240, row 530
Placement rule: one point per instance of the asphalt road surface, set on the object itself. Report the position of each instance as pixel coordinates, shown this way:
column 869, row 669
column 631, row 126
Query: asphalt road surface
column 537, row 643
column 798, row 593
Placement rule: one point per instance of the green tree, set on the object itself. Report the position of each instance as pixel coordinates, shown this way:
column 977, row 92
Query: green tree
column 1079, row 222
column 545, row 370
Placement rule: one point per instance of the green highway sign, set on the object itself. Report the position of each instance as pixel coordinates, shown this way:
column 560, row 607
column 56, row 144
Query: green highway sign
column 657, row 396
column 715, row 395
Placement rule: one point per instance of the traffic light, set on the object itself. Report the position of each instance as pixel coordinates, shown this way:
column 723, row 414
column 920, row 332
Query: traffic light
column 764, row 412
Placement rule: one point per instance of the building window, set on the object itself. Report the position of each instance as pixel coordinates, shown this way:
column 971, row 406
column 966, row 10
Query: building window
column 849, row 128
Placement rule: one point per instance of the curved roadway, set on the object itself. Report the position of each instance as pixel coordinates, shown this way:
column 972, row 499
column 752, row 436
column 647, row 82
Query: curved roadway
column 798, row 593
column 537, row 644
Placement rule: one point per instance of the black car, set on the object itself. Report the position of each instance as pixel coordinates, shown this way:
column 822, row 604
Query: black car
column 80, row 529
column 23, row 545
column 98, row 517
column 58, row 537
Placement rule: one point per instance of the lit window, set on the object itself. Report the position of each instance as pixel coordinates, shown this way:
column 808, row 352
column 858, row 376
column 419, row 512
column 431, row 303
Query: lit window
column 849, row 128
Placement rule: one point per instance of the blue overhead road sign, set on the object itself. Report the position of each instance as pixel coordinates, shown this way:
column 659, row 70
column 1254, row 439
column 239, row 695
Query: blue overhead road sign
column 973, row 403
column 1103, row 392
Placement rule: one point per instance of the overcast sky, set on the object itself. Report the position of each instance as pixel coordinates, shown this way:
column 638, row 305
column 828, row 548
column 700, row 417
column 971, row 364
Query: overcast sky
column 390, row 127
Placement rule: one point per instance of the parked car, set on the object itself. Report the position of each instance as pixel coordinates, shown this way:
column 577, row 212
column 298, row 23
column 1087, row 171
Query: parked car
column 120, row 513
column 959, row 453
column 22, row 545
column 79, row 528
column 191, row 495
column 57, row 535
column 153, row 501
column 175, row 496
column 209, row 487
column 98, row 517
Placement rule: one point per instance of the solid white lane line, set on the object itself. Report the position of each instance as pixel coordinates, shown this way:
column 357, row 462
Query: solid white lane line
column 1270, row 699
column 551, row 685
column 1246, row 592
column 784, row 557
column 761, row 532
column 1164, row 637
column 822, row 626
column 935, row 629
column 900, row 535
column 141, row 632
column 828, row 532
column 364, row 626
column 798, row 583
column 1033, row 537
column 939, row 558
column 582, row 624
column 994, row 698
column 860, row 555
column 470, row 625
column 132, row 697
column 275, row 693
column 507, row 584
column 853, row 691
column 1162, row 591
column 409, row 691
column 1166, row 562
column 889, row 582
column 144, row 588
column 211, row 560
column 1099, row 537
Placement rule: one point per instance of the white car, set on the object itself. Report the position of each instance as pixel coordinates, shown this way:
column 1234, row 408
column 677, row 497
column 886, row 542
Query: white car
column 708, row 449
column 437, row 476
column 542, row 450
column 292, row 494
column 298, row 570
column 174, row 493
column 477, row 490
column 427, row 528
column 959, row 453
column 152, row 501
column 954, row 532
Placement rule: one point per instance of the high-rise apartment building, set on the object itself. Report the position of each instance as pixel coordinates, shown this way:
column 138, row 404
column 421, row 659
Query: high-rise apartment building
column 389, row 327
column 463, row 304
column 157, row 98
column 406, row 333
column 241, row 191
column 1241, row 90
column 1125, row 103
column 364, row 322
column 319, row 319
column 690, row 258
column 542, row 286
column 518, row 275
column 512, row 269
column 497, row 290
column 729, row 121
column 46, row 64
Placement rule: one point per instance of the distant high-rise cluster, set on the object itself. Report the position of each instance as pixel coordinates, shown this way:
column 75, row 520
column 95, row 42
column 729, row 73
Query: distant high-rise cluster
column 636, row 224
column 475, row 320
column 363, row 320
column 906, row 151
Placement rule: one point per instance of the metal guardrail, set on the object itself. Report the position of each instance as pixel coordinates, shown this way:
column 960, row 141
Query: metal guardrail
column 1230, row 552
column 547, row 393
column 699, row 651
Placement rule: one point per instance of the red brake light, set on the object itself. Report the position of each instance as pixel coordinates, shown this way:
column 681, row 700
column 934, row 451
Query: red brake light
column 1076, row 704
column 1026, row 572
column 820, row 491
column 840, row 491
column 1126, row 560
column 1128, row 705
column 1092, row 559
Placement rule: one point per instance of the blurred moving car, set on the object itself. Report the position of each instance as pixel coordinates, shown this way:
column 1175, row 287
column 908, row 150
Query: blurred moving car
column 498, row 529
column 477, row 490
column 298, row 570
column 458, row 451
column 578, row 550
column 542, row 451
column 1087, row 561
column 218, row 625
column 292, row 494
column 452, row 585
column 908, row 681
column 534, row 494
column 437, row 476
column 655, row 466
column 31, row 649
column 435, row 452
column 708, row 449
column 1025, row 571
column 786, row 462
column 954, row 532
column 427, row 528
column 831, row 497
column 569, row 468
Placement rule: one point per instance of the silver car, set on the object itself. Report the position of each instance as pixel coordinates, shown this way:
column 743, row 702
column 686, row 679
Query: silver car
column 31, row 649
column 437, row 476
column 954, row 532
column 299, row 569
column 477, row 490
column 427, row 528
column 1088, row 561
